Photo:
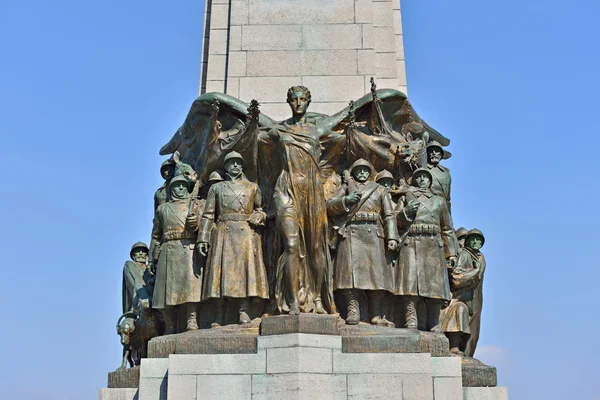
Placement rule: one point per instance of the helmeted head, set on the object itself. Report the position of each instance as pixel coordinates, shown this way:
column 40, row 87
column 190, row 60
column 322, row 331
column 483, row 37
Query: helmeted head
column 421, row 178
column 139, row 252
column 233, row 164
column 361, row 170
column 214, row 178
column 435, row 152
column 167, row 169
column 179, row 187
column 461, row 234
column 474, row 239
column 298, row 97
column 385, row 178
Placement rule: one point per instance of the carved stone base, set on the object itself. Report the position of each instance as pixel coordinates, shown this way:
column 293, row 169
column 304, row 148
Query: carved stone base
column 124, row 378
column 304, row 323
column 477, row 374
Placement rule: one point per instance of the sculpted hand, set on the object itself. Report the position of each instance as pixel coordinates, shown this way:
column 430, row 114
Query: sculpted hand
column 392, row 245
column 257, row 218
column 192, row 220
column 451, row 261
column 353, row 198
column 412, row 207
column 203, row 248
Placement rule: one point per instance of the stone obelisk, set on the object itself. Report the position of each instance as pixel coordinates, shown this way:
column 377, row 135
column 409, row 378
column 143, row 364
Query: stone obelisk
column 254, row 48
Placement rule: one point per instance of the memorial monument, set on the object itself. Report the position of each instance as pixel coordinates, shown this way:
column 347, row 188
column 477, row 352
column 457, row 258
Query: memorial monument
column 303, row 247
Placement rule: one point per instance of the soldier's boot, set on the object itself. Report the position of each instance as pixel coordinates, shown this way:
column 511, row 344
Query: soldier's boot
column 412, row 321
column 353, row 317
column 192, row 323
column 455, row 338
column 244, row 309
column 219, row 313
column 319, row 306
column 434, row 308
column 375, row 307
column 169, row 317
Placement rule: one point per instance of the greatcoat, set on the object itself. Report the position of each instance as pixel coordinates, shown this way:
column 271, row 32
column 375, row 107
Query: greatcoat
column 177, row 275
column 464, row 312
column 428, row 239
column 234, row 265
column 361, row 261
column 135, row 281
column 441, row 182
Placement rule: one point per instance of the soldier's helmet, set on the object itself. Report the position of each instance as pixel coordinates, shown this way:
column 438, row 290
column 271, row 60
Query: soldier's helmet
column 138, row 245
column 170, row 163
column 179, row 179
column 461, row 233
column 384, row 174
column 361, row 162
column 233, row 155
column 215, row 177
column 435, row 144
column 420, row 171
column 475, row 232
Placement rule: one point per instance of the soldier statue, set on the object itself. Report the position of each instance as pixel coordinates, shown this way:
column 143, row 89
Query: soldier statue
column 178, row 281
column 429, row 240
column 136, row 279
column 367, row 222
column 462, row 318
column 441, row 181
column 161, row 196
column 385, row 179
column 235, row 268
column 461, row 234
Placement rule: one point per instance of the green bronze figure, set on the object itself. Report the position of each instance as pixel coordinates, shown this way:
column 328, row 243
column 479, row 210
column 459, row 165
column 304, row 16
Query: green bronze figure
column 461, row 234
column 429, row 241
column 235, row 268
column 136, row 278
column 178, row 281
column 441, row 180
column 368, row 224
column 461, row 320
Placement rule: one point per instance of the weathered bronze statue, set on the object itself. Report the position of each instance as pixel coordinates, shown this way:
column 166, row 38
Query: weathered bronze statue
column 461, row 320
column 429, row 240
column 385, row 179
column 177, row 275
column 367, row 223
column 441, row 180
column 138, row 324
column 234, row 269
column 167, row 171
column 461, row 234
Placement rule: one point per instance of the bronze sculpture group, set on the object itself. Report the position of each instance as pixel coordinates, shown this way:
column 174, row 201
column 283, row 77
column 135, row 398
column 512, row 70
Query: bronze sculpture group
column 262, row 217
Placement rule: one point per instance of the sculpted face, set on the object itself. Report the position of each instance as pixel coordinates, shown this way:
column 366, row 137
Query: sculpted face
column 140, row 255
column 475, row 242
column 167, row 172
column 386, row 182
column 422, row 180
column 361, row 173
column 179, row 190
column 299, row 103
column 434, row 155
column 234, row 167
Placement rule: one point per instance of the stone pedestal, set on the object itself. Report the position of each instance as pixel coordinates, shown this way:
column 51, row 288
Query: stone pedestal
column 303, row 366
column 254, row 48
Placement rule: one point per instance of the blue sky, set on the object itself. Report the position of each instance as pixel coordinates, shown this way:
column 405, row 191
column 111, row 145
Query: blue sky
column 89, row 91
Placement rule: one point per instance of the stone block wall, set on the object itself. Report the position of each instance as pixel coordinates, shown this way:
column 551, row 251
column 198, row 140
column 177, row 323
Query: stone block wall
column 302, row 366
column 259, row 48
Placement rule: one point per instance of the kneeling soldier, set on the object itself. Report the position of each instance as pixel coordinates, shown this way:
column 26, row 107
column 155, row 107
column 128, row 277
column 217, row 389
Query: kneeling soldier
column 368, row 221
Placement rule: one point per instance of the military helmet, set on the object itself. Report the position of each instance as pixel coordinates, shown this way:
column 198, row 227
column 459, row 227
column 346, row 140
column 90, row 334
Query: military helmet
column 435, row 143
column 138, row 245
column 167, row 163
column 215, row 177
column 361, row 162
column 461, row 232
column 477, row 232
column 384, row 174
column 422, row 171
column 179, row 179
column 233, row 155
